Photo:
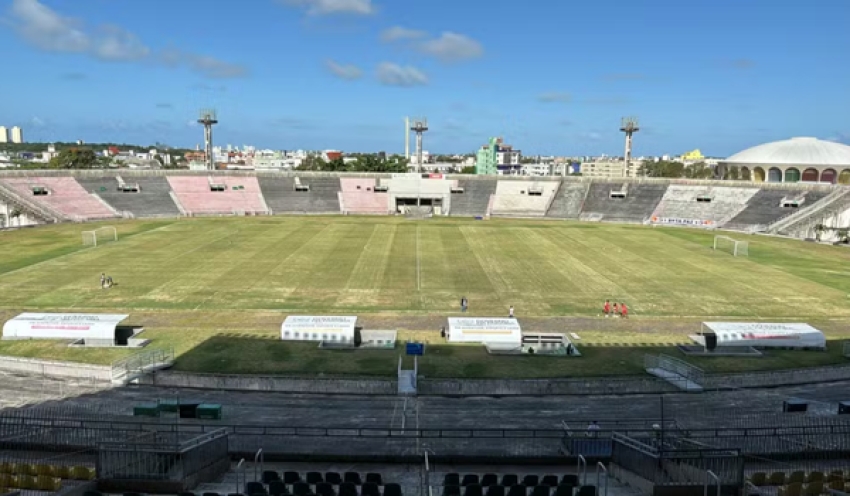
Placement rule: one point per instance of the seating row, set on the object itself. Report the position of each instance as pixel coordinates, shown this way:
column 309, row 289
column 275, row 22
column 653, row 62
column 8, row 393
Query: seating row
column 60, row 471
column 38, row 482
column 530, row 480
column 291, row 477
column 300, row 488
column 811, row 489
column 759, row 479
column 518, row 490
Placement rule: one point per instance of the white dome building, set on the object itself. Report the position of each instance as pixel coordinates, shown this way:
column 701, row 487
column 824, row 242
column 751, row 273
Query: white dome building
column 798, row 159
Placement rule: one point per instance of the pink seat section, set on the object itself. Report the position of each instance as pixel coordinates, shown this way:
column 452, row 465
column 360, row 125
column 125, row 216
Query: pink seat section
column 359, row 197
column 195, row 194
column 65, row 195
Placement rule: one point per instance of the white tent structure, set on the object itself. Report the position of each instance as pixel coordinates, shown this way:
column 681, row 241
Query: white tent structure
column 500, row 332
column 759, row 335
column 70, row 326
column 333, row 329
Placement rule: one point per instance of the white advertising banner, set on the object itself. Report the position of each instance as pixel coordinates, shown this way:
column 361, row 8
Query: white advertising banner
column 782, row 335
column 484, row 330
column 62, row 326
column 313, row 328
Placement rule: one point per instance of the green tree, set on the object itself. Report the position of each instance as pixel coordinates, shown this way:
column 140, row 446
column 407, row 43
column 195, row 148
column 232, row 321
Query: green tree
column 74, row 158
column 312, row 163
column 698, row 170
column 662, row 168
column 469, row 169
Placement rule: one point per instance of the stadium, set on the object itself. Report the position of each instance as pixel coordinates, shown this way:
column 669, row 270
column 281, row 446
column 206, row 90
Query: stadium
column 260, row 333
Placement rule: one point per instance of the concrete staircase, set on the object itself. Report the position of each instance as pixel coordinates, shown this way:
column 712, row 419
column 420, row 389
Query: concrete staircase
column 806, row 218
column 37, row 210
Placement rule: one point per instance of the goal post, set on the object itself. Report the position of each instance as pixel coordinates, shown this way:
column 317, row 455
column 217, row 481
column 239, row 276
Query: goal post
column 100, row 235
column 734, row 247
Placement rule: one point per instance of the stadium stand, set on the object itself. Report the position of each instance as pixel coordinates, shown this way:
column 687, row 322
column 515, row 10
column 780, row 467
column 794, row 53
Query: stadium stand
column 138, row 196
column 770, row 205
column 211, row 195
column 622, row 202
column 64, row 195
column 568, row 201
column 472, row 197
column 523, row 198
column 317, row 195
column 358, row 196
column 705, row 205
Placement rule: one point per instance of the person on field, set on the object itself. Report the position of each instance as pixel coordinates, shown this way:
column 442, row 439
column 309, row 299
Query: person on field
column 624, row 311
column 464, row 304
column 109, row 281
column 102, row 280
column 606, row 309
column 511, row 312
column 616, row 310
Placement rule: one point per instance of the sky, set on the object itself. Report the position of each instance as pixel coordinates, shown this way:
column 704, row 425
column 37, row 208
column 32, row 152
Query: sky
column 549, row 76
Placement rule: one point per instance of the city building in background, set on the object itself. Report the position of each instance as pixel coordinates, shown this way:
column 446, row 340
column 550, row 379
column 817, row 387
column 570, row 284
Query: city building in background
column 498, row 158
column 4, row 134
column 17, row 135
column 607, row 167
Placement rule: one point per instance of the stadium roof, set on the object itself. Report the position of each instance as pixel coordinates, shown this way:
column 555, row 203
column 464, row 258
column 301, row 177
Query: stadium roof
column 795, row 151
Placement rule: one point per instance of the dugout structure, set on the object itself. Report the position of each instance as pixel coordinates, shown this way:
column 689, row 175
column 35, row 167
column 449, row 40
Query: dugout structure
column 99, row 236
column 734, row 247
column 98, row 330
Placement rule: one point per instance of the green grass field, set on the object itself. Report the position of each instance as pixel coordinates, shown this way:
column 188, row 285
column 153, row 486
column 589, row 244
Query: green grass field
column 218, row 289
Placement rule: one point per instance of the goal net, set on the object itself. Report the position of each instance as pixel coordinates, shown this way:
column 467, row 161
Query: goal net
column 732, row 246
column 99, row 236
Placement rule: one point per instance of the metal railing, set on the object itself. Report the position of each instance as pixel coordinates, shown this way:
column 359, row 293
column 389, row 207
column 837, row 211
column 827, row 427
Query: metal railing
column 674, row 365
column 140, row 363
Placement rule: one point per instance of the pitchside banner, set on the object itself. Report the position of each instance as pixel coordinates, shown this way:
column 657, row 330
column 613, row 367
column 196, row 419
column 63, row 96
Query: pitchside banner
column 483, row 330
column 62, row 326
column 681, row 222
column 310, row 328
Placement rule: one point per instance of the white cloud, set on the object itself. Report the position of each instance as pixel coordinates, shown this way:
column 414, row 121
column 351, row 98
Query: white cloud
column 554, row 97
column 50, row 31
column 397, row 33
column 348, row 72
column 452, row 47
column 331, row 7
column 396, row 75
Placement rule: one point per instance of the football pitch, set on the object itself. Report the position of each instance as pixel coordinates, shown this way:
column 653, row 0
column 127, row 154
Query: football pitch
column 200, row 282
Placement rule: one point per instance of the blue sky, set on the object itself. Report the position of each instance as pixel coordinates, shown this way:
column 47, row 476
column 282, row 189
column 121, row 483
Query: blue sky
column 551, row 77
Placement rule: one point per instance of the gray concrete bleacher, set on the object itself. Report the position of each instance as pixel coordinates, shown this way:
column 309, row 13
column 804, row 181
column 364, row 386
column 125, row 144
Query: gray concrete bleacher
column 637, row 206
column 765, row 207
column 321, row 198
column 152, row 200
column 474, row 199
column 568, row 201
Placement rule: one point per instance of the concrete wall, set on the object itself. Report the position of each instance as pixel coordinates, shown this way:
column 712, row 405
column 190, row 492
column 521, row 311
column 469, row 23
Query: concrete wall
column 777, row 378
column 49, row 368
column 280, row 384
column 518, row 387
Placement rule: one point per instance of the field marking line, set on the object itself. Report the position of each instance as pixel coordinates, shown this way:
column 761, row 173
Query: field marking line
column 418, row 264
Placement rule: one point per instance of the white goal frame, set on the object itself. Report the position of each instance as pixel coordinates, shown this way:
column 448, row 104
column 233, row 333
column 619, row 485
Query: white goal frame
column 736, row 248
column 106, row 233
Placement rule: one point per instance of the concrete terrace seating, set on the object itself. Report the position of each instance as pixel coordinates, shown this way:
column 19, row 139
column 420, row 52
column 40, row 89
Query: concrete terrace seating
column 64, row 195
column 197, row 198
column 518, row 198
column 153, row 199
column 475, row 197
column 765, row 207
column 359, row 197
column 637, row 205
column 321, row 198
column 568, row 201
column 680, row 203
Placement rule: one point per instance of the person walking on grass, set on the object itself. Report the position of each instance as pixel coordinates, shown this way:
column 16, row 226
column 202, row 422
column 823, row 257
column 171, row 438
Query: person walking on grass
column 616, row 310
column 606, row 308
column 511, row 312
column 624, row 311
column 102, row 280
column 464, row 304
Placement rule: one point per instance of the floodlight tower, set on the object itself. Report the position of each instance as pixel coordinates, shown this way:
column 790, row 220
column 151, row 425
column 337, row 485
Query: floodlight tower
column 208, row 119
column 419, row 126
column 407, row 138
column 629, row 125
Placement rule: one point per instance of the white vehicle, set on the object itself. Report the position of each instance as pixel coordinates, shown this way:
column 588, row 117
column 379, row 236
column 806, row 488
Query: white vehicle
column 759, row 335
